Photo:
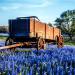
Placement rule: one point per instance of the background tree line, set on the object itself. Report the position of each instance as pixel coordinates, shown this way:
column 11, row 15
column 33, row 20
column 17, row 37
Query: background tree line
column 3, row 29
column 66, row 22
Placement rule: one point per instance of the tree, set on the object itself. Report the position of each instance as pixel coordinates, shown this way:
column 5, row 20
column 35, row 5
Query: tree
column 59, row 22
column 3, row 29
column 66, row 22
column 50, row 24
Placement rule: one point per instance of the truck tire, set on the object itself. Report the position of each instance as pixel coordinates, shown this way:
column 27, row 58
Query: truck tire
column 40, row 43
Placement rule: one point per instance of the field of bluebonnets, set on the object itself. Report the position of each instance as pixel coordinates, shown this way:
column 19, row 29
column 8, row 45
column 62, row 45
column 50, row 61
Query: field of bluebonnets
column 52, row 61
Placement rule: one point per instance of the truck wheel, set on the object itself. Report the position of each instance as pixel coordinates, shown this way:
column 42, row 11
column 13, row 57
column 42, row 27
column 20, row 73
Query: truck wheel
column 9, row 41
column 60, row 41
column 40, row 43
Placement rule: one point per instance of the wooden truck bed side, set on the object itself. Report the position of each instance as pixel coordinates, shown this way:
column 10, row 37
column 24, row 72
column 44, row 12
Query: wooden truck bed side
column 37, row 27
column 57, row 32
column 43, row 30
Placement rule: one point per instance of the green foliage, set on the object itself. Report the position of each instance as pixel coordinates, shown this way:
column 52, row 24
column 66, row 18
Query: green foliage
column 69, row 43
column 66, row 22
column 3, row 29
column 3, row 37
column 50, row 24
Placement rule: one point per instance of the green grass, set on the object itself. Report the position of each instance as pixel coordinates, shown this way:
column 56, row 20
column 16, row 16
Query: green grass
column 69, row 43
column 3, row 37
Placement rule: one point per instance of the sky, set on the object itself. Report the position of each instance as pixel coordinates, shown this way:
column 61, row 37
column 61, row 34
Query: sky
column 46, row 10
